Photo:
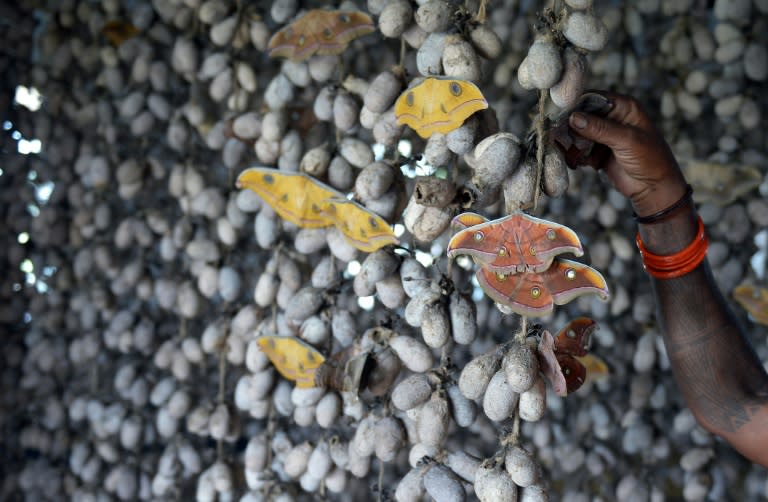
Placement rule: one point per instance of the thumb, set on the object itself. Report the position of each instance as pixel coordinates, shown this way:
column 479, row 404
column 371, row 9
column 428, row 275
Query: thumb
column 601, row 130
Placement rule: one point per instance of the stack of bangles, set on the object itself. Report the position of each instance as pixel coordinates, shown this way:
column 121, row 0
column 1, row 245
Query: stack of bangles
column 682, row 262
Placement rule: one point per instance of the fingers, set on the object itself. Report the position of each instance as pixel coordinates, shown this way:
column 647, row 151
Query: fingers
column 602, row 130
column 626, row 110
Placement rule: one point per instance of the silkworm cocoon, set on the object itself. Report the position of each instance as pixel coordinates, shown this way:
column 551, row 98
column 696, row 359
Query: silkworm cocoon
column 304, row 303
column 385, row 369
column 463, row 312
column 555, row 173
column 357, row 152
column 378, row 266
column 463, row 464
column 389, row 438
column 297, row 73
column 411, row 486
column 339, row 452
column 434, row 418
column 390, row 292
column 533, row 402
column 414, row 36
column 309, row 483
column 178, row 404
column 345, row 111
column 520, row 188
column 315, row 161
column 521, row 466
column 310, row 240
column 325, row 272
column 486, row 42
column 415, row 355
column 220, row 422
column 463, row 410
column 542, row 66
column 435, row 324
column 323, row 105
column 494, row 485
column 386, row 130
column 436, row 151
column 256, row 454
column 477, row 374
column 414, row 277
column 358, row 466
column 306, row 397
column 362, row 286
column 255, row 359
column 579, row 4
column 343, row 326
column 130, row 432
column 382, row 92
column 395, row 18
column 411, row 392
column 320, row 463
column 462, row 140
column 322, row 68
column 499, row 399
column 534, row 493
column 336, row 481
column 460, row 60
column 328, row 410
column 586, row 31
column 569, row 89
column 368, row 118
column 521, row 366
column 443, row 485
column 267, row 229
column 296, row 460
column 424, row 222
column 419, row 451
column 364, row 441
column 259, row 409
column 281, row 398
column 197, row 420
column 429, row 57
column 374, row 180
column 496, row 158
column 434, row 15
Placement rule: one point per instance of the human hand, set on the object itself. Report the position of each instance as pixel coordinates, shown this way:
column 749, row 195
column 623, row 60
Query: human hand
column 632, row 153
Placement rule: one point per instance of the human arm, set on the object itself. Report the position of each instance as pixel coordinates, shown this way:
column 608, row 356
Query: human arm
column 721, row 378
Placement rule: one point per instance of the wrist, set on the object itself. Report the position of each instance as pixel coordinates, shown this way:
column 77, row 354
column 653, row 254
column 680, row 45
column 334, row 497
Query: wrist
column 673, row 233
column 659, row 197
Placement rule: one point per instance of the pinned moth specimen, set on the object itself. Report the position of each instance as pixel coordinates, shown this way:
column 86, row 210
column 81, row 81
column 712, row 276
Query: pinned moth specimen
column 319, row 32
column 438, row 105
column 308, row 203
column 561, row 357
column 117, row 32
column 754, row 300
column 512, row 244
column 536, row 294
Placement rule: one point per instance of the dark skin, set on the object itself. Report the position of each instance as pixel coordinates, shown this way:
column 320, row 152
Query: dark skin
column 721, row 378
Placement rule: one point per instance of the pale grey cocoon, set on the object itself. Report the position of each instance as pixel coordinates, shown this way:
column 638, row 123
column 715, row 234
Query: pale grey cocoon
column 477, row 374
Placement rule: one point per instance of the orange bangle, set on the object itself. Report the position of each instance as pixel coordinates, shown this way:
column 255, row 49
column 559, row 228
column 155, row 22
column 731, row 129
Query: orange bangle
column 677, row 264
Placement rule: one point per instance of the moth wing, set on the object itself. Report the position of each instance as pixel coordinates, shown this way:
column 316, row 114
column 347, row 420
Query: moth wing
column 549, row 364
column 292, row 358
column 754, row 300
column 362, row 228
column 574, row 372
column 567, row 280
column 525, row 294
column 575, row 337
column 538, row 241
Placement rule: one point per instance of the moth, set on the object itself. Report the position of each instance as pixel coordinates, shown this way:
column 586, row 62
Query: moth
column 438, row 105
column 536, row 294
column 562, row 357
column 754, row 300
column 319, row 32
column 309, row 203
column 293, row 359
column 513, row 244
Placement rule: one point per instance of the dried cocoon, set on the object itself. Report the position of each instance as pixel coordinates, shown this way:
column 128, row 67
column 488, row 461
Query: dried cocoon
column 386, row 130
column 296, row 460
column 395, row 18
column 521, row 366
column 325, row 272
column 256, row 454
column 389, row 438
column 220, row 422
column 443, row 485
column 343, row 326
column 390, row 292
column 265, row 292
column 463, row 464
column 542, row 67
column 358, row 466
column 462, row 140
column 521, row 466
column 414, row 36
column 368, row 118
column 323, row 105
column 315, row 330
column 411, row 486
column 463, row 410
column 486, row 42
column 364, row 441
column 579, row 4
column 434, row 418
column 306, row 302
column 534, row 493
column 435, row 324
column 434, row 15
column 436, row 151
column 339, row 452
column 336, row 481
column 424, row 222
column 345, row 111
column 322, row 68
column 328, row 410
column 315, row 161
column 533, row 402
column 411, row 392
column 495, row 158
column 460, row 60
column 555, row 173
column 414, row 277
column 374, row 180
column 477, row 374
column 279, row 92
column 357, row 152
column 494, row 485
column 499, row 399
column 309, row 483
column 382, row 92
column 429, row 57
column 362, row 286
column 569, row 89
column 586, row 31
column 418, row 451
column 320, row 463
column 297, row 73
column 306, row 397
column 309, row 241
column 520, row 188
column 415, row 355
column 267, row 229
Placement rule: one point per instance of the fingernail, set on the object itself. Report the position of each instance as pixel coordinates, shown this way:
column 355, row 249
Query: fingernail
column 578, row 120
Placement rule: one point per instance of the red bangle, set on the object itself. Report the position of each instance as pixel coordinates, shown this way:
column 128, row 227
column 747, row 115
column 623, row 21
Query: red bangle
column 677, row 264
